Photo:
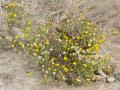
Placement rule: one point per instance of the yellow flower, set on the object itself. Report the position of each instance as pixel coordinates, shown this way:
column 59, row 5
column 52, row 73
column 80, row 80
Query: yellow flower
column 93, row 62
column 46, row 41
column 86, row 32
column 86, row 57
column 17, row 37
column 74, row 63
column 101, row 41
column 85, row 65
column 80, row 49
column 89, row 23
column 6, row 7
column 20, row 43
column 63, row 66
column 10, row 4
column 66, row 69
column 81, row 37
column 15, row 15
column 65, row 58
column 78, row 37
column 81, row 14
column 115, row 32
column 55, row 70
column 57, row 64
column 108, row 57
column 70, row 41
column 37, row 50
column 95, row 29
column 76, row 44
column 89, row 50
column 49, row 68
column 96, row 46
column 52, row 59
column 65, row 37
column 14, row 4
column 29, row 22
column 88, row 27
column 92, row 48
column 67, row 40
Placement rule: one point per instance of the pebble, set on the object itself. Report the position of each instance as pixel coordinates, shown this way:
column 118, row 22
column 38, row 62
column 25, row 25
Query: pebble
column 110, row 79
column 98, row 78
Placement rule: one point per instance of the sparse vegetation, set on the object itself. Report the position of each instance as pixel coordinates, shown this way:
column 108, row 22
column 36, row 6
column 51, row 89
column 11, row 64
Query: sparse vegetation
column 67, row 53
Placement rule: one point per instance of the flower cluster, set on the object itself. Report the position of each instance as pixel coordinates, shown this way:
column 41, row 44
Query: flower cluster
column 13, row 11
column 71, row 55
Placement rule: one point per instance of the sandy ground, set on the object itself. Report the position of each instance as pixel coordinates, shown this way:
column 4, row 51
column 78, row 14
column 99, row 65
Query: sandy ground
column 13, row 74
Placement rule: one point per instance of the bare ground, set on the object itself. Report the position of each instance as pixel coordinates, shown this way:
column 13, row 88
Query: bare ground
column 13, row 74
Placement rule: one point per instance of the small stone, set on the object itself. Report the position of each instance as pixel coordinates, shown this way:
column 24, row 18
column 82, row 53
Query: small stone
column 98, row 78
column 101, row 73
column 110, row 79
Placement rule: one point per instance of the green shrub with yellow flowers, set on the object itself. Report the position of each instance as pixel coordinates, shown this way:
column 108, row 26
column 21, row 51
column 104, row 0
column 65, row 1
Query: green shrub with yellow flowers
column 66, row 53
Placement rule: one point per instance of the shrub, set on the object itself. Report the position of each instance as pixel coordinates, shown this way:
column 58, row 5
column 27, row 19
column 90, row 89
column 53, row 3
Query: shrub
column 66, row 53
column 14, row 13
column 70, row 52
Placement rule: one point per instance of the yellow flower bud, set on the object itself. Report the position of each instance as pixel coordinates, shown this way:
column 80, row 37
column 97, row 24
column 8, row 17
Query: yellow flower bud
column 57, row 64
column 93, row 62
column 65, row 69
column 85, row 65
column 74, row 63
column 49, row 68
column 6, row 7
column 16, row 37
column 65, row 58
column 78, row 37
column 15, row 15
